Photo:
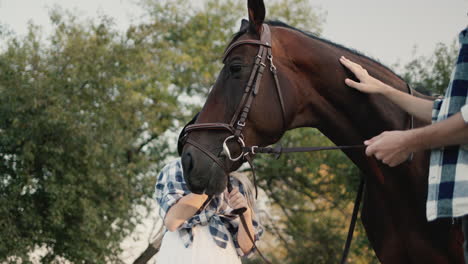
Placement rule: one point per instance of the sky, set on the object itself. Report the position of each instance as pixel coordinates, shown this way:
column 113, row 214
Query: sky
column 390, row 30
column 386, row 30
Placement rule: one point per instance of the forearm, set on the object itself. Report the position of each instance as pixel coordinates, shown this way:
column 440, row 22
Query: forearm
column 417, row 107
column 242, row 237
column 185, row 208
column 452, row 131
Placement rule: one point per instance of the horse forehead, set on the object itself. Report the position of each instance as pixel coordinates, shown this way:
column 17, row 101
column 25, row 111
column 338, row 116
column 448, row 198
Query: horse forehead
column 243, row 49
column 279, row 44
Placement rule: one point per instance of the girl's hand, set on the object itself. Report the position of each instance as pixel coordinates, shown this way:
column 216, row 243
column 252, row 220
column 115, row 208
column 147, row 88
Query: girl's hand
column 367, row 83
column 236, row 200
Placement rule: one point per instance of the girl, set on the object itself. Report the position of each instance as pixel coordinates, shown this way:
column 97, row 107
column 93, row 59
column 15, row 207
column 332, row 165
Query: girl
column 212, row 235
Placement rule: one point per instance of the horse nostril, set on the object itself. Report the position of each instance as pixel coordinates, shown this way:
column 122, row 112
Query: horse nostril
column 187, row 162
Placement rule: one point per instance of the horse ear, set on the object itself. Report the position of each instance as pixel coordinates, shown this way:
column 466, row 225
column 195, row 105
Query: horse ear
column 244, row 25
column 256, row 14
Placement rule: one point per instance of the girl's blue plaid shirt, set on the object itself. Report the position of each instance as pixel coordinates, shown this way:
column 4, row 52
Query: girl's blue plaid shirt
column 171, row 186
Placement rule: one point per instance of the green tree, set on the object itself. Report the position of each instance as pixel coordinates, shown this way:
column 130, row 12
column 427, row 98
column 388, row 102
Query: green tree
column 297, row 13
column 82, row 116
column 191, row 39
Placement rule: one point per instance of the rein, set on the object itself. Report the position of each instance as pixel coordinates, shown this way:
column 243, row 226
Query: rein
column 278, row 150
column 237, row 124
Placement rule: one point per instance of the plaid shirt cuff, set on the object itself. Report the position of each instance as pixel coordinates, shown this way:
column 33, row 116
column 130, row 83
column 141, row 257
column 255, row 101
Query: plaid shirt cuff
column 258, row 230
column 167, row 202
column 239, row 250
column 464, row 113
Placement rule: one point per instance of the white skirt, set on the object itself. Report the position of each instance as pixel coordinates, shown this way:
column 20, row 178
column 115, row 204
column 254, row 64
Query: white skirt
column 203, row 249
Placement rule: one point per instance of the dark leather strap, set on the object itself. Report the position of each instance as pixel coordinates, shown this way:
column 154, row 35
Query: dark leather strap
column 250, row 161
column 246, row 228
column 410, row 91
column 251, row 93
column 248, row 87
column 244, row 42
column 265, row 40
column 278, row 88
column 352, row 224
column 200, row 126
column 204, row 205
column 240, row 212
column 278, row 150
column 265, row 35
column 208, row 153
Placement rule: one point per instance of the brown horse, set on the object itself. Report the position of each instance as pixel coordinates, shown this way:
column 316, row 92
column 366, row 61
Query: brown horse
column 313, row 93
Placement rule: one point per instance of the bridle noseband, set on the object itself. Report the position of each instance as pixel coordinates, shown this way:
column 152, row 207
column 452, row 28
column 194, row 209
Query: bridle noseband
column 238, row 121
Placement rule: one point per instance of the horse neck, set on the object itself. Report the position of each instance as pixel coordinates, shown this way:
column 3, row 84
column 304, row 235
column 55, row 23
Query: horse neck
column 344, row 115
column 336, row 107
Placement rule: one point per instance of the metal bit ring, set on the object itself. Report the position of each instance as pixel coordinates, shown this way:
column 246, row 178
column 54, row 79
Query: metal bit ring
column 228, row 152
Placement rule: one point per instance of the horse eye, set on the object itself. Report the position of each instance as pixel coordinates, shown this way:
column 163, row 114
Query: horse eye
column 235, row 68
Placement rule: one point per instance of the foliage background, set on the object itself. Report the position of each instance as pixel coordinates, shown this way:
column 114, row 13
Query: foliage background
column 88, row 116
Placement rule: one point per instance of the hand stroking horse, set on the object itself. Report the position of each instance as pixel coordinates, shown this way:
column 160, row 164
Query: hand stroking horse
column 276, row 78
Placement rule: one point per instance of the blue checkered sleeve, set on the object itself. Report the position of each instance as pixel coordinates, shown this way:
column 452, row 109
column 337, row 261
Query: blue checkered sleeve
column 233, row 226
column 170, row 187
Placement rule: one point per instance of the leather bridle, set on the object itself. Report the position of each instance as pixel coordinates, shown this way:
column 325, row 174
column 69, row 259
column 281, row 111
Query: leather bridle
column 237, row 123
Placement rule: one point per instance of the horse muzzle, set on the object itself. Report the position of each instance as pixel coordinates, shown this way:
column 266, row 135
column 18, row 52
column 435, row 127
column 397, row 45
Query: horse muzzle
column 202, row 175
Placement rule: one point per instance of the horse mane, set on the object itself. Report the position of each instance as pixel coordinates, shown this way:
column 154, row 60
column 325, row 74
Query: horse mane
column 278, row 23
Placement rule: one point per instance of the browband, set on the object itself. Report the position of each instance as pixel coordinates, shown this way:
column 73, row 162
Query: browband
column 265, row 40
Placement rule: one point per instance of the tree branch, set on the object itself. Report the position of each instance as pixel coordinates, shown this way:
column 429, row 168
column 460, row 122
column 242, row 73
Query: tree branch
column 152, row 248
column 146, row 142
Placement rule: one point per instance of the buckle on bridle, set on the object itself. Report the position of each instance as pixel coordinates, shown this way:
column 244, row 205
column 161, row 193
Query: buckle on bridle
column 242, row 124
column 252, row 150
column 227, row 152
column 272, row 66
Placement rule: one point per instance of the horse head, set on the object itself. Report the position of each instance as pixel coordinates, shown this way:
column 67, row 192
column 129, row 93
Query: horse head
column 248, row 105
